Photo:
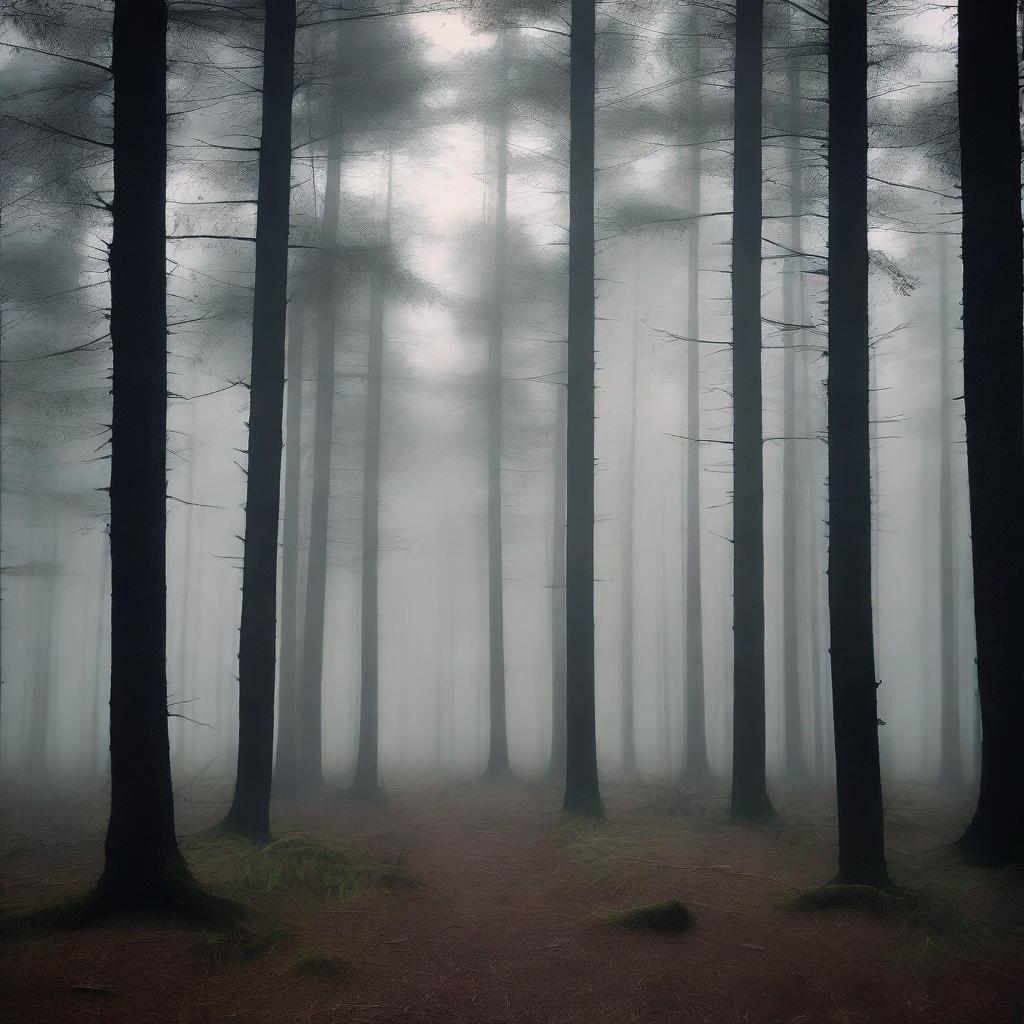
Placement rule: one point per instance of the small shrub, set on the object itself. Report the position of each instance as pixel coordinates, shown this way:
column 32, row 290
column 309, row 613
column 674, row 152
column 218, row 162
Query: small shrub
column 661, row 916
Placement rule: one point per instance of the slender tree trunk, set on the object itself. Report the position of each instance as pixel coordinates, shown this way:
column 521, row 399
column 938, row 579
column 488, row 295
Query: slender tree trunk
column 556, row 766
column 795, row 761
column 854, row 709
column 990, row 154
column 249, row 814
column 180, row 658
column 875, row 416
column 497, row 758
column 628, row 544
column 696, row 767
column 366, row 782
column 290, row 668
column 749, row 788
column 582, row 790
column 951, row 772
column 143, row 864
column 310, row 728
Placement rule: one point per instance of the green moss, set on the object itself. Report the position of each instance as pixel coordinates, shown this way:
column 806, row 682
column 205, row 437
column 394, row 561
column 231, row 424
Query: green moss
column 864, row 898
column 322, row 964
column 295, row 864
column 661, row 916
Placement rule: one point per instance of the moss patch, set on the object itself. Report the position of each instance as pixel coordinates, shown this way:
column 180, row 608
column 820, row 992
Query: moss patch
column 864, row 898
column 240, row 945
column 294, row 865
column 661, row 916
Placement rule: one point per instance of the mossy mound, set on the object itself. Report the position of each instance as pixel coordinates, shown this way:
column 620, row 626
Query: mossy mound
column 867, row 899
column 294, row 864
column 322, row 964
column 240, row 944
column 661, row 916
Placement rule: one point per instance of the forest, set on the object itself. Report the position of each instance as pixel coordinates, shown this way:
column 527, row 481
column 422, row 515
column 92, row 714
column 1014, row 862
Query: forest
column 511, row 511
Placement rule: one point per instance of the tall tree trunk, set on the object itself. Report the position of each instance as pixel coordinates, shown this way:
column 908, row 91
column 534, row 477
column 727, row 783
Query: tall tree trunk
column 990, row 154
column 366, row 783
column 628, row 544
column 556, row 765
column 497, row 758
column 310, row 769
column 582, row 790
column 795, row 761
column 143, row 864
column 249, row 814
column 854, row 708
column 951, row 772
column 875, row 415
column 181, row 647
column 289, row 667
column 696, row 767
column 750, row 800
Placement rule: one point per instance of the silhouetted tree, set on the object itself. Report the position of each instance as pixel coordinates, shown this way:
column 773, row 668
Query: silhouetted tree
column 749, row 789
column 249, row 814
column 855, row 713
column 582, row 790
column 993, row 299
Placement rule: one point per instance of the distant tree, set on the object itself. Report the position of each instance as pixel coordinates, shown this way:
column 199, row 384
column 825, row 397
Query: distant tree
column 993, row 299
column 582, row 789
column 249, row 814
column 749, row 788
column 366, row 783
column 854, row 684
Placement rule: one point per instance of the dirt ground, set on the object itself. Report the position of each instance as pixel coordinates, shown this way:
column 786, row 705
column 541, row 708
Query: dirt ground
column 497, row 929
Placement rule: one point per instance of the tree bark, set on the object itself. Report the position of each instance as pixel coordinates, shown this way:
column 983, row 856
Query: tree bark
column 249, row 814
column 993, row 297
column 750, row 800
column 855, row 713
column 143, row 864
column 582, row 790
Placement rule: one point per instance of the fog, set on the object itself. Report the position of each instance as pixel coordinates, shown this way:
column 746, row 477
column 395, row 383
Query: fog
column 436, row 120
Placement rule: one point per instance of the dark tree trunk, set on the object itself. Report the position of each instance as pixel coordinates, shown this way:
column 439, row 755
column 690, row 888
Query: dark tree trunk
column 628, row 722
column 795, row 761
column 556, row 765
column 366, row 782
column 582, row 790
column 990, row 153
column 310, row 728
column 142, row 862
column 249, row 814
column 497, row 758
column 42, row 663
column 696, row 767
column 290, row 668
column 951, row 771
column 854, row 709
column 750, row 800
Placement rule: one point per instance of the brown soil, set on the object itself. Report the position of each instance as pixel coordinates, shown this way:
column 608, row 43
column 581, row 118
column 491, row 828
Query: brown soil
column 498, row 931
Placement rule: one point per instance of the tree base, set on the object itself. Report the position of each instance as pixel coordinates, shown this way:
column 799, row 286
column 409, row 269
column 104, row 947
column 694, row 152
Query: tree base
column 498, row 774
column 994, row 848
column 235, row 827
column 756, row 811
column 583, row 806
column 367, row 792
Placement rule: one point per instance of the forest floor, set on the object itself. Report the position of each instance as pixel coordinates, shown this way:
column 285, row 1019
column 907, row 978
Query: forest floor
column 496, row 927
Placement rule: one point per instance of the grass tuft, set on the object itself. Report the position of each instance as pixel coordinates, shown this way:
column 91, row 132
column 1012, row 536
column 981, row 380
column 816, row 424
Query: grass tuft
column 294, row 864
column 240, row 944
column 322, row 964
column 661, row 916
